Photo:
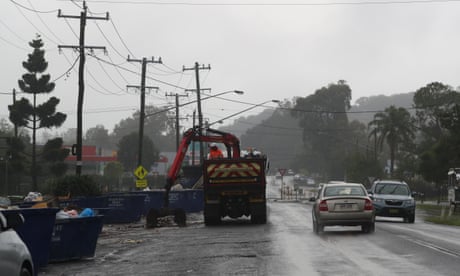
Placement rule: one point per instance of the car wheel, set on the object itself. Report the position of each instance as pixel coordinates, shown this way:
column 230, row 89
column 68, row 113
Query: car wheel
column 316, row 227
column 320, row 228
column 368, row 228
column 25, row 272
column 411, row 218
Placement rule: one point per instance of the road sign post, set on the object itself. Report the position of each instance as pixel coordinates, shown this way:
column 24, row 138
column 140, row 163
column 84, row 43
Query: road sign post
column 140, row 172
column 282, row 173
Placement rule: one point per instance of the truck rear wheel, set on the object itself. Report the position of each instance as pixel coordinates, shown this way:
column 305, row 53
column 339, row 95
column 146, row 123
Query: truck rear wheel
column 211, row 220
column 259, row 213
column 151, row 220
column 211, row 215
column 179, row 217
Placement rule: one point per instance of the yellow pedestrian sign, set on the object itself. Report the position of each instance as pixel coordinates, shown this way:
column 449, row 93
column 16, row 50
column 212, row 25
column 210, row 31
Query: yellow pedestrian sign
column 140, row 172
column 141, row 183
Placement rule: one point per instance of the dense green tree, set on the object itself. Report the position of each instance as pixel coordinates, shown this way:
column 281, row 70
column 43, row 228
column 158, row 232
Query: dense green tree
column 360, row 166
column 158, row 126
column 35, row 116
column 438, row 122
column 98, row 136
column 431, row 102
column 435, row 162
column 113, row 172
column 53, row 156
column 395, row 127
column 324, row 121
column 127, row 152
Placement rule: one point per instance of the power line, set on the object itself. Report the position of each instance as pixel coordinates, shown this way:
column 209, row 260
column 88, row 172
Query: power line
column 12, row 44
column 134, row 72
column 13, row 32
column 70, row 26
column 108, row 92
column 32, row 10
column 116, row 68
column 121, row 39
column 74, row 2
column 108, row 41
column 108, row 75
column 43, row 22
column 66, row 73
column 30, row 22
column 350, row 3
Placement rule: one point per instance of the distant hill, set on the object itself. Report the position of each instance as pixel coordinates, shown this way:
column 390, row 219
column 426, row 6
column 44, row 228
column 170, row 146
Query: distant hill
column 278, row 135
column 378, row 103
column 367, row 105
column 241, row 125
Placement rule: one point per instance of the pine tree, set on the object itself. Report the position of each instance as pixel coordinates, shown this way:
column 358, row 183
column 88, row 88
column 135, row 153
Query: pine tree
column 35, row 116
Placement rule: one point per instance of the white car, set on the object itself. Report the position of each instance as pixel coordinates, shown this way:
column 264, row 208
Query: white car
column 346, row 204
column 15, row 258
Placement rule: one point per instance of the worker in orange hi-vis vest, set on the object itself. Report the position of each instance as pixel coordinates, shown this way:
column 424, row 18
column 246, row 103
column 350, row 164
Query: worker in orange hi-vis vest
column 215, row 152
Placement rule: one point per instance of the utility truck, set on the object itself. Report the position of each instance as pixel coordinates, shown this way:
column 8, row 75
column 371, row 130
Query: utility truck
column 233, row 186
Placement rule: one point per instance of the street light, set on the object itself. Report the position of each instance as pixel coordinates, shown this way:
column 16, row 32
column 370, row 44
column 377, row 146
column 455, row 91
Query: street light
column 242, row 111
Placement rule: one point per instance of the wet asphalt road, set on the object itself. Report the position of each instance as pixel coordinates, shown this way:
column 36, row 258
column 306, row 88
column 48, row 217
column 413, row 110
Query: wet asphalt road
column 286, row 245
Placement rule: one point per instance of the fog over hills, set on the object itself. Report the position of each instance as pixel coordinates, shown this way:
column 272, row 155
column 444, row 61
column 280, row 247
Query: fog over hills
column 362, row 110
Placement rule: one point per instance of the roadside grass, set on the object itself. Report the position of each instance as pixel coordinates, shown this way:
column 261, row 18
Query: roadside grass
column 440, row 214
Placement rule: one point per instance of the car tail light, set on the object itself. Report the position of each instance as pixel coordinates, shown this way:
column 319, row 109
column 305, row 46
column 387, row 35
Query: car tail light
column 368, row 205
column 323, row 205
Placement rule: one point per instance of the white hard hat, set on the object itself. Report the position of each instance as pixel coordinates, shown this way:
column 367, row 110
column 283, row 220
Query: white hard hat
column 213, row 145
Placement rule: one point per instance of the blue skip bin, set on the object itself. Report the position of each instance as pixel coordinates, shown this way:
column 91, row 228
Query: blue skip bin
column 189, row 200
column 152, row 200
column 75, row 238
column 116, row 207
column 36, row 232
column 124, row 208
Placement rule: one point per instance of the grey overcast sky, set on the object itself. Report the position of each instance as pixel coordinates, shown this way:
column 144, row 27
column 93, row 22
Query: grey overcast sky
column 270, row 49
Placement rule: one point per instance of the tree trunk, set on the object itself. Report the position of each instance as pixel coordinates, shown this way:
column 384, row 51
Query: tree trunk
column 34, row 133
column 392, row 159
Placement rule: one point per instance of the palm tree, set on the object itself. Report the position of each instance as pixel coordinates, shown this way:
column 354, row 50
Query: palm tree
column 393, row 126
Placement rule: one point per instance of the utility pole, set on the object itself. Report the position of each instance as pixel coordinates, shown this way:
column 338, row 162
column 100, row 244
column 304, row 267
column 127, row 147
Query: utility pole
column 197, row 69
column 81, row 84
column 144, row 62
column 177, row 117
column 193, row 144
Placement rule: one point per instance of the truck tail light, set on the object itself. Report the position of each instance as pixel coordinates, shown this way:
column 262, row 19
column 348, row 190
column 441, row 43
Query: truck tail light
column 368, row 205
column 323, row 206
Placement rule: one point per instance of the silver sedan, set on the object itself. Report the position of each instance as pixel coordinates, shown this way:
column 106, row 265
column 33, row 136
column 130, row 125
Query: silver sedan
column 345, row 204
column 15, row 258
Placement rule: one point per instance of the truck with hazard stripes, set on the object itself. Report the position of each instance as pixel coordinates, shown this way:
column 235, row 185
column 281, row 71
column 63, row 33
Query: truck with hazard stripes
column 233, row 186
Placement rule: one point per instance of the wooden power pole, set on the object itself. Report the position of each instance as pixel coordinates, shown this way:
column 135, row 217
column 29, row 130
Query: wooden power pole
column 177, row 117
column 197, row 69
column 142, row 87
column 77, row 149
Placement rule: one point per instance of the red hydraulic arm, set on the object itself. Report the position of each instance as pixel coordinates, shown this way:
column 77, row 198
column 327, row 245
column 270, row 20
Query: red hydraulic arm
column 231, row 142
